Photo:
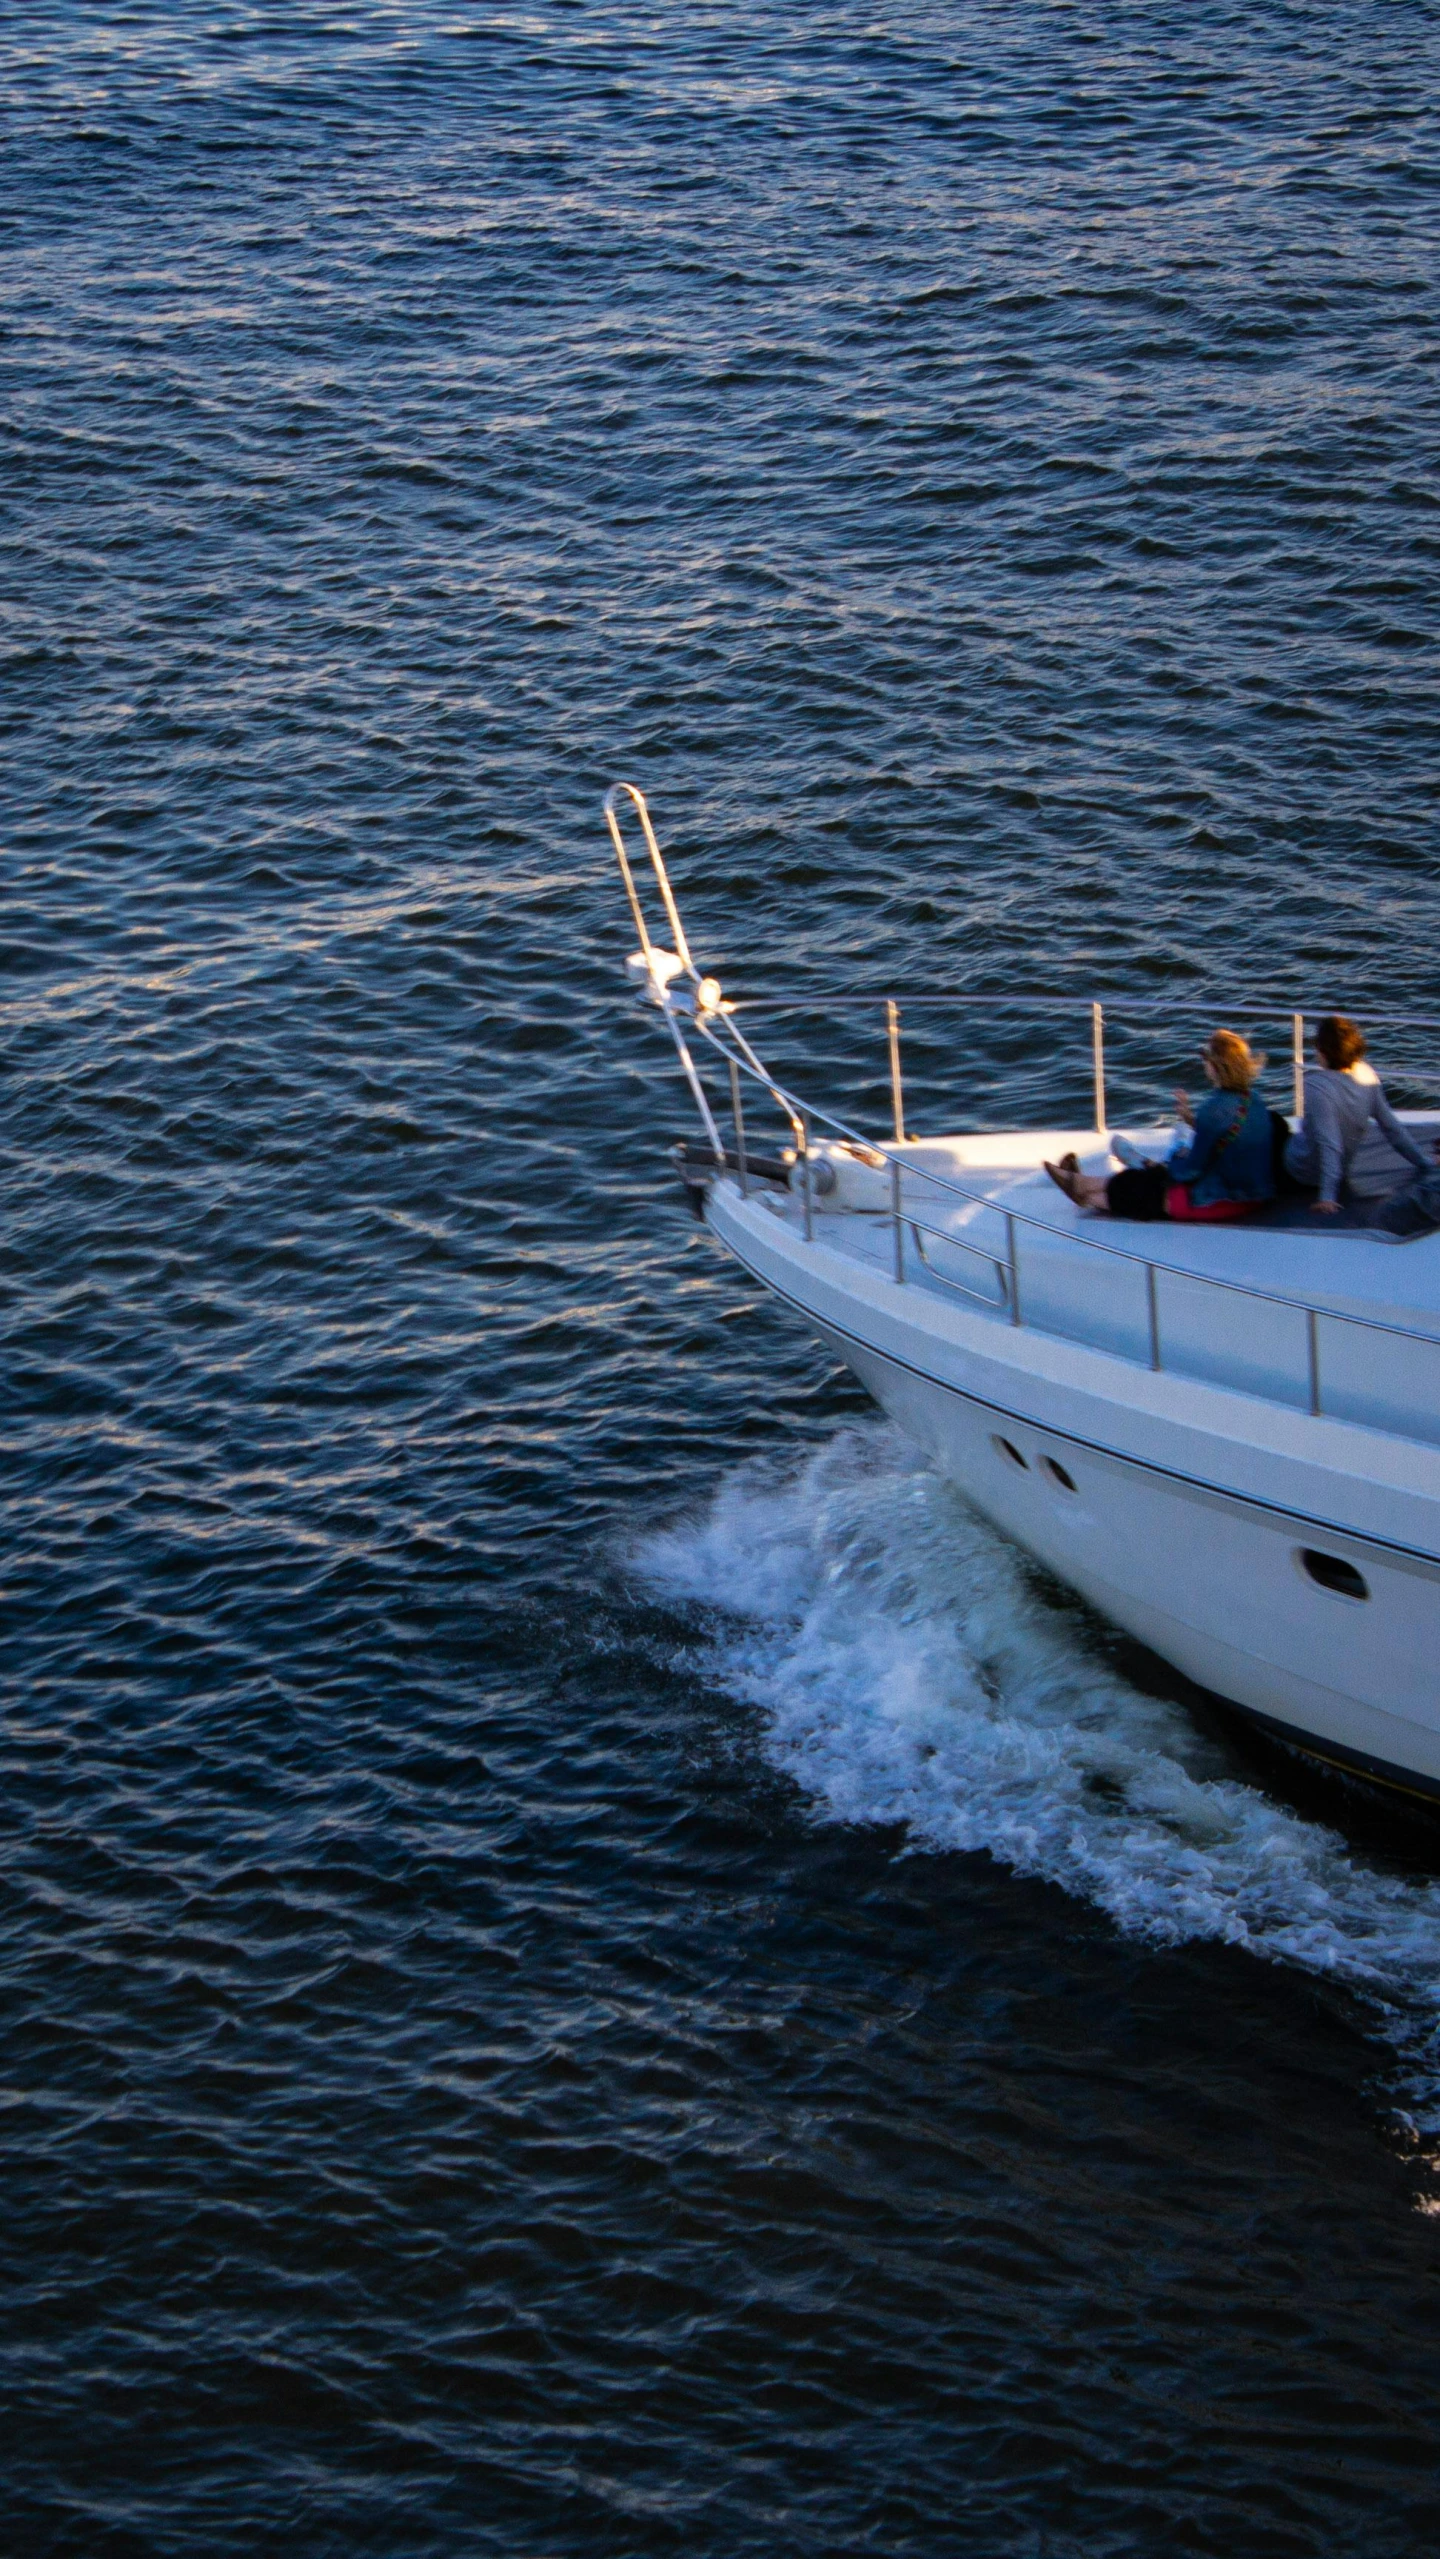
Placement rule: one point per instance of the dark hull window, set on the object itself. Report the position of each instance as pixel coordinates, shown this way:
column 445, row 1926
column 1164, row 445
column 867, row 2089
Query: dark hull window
column 1333, row 1573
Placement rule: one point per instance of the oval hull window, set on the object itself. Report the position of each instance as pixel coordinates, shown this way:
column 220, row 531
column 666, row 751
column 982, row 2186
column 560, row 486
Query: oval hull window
column 1008, row 1450
column 1058, row 1474
column 1333, row 1573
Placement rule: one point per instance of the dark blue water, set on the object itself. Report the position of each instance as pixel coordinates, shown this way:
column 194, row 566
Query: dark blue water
column 587, row 1963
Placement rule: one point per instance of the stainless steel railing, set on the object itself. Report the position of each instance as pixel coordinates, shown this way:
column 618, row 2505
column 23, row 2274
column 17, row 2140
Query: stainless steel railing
column 1266, row 1008
column 1007, row 1267
column 702, row 1006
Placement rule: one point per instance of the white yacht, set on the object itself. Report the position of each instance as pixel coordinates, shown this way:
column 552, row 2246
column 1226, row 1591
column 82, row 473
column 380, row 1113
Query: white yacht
column 1227, row 1439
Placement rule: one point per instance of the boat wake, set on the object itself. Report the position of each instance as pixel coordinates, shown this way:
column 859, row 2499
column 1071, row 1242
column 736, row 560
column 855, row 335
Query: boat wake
column 909, row 1670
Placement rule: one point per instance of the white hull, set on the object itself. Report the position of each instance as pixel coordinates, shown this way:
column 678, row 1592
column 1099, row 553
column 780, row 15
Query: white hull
column 1227, row 1439
column 1192, row 1505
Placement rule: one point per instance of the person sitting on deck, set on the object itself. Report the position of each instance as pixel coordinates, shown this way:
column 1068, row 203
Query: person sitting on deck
column 1224, row 1173
column 1344, row 1097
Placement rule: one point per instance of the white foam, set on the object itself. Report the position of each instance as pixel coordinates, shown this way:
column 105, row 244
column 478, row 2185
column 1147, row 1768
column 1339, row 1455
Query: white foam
column 909, row 1671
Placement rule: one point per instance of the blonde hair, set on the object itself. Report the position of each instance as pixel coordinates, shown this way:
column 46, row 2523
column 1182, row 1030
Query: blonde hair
column 1237, row 1065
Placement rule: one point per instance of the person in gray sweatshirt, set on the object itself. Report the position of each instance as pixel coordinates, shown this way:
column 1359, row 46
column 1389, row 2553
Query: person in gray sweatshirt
column 1344, row 1101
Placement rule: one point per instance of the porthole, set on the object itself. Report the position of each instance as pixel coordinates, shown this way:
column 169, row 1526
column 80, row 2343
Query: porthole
column 1007, row 1449
column 1058, row 1474
column 1333, row 1573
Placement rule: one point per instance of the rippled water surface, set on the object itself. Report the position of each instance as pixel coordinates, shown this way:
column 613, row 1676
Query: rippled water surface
column 587, row 1962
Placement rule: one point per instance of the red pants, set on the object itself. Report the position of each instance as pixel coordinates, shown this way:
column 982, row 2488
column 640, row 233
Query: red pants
column 1219, row 1213
column 1145, row 1191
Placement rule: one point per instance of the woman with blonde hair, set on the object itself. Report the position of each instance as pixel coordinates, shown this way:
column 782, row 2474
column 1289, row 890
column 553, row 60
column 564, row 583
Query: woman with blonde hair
column 1224, row 1173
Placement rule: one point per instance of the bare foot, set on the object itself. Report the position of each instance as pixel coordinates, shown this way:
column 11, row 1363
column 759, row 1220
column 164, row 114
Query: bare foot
column 1064, row 1175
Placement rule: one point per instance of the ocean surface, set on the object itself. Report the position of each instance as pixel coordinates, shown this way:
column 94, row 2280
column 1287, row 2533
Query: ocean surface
column 589, row 1963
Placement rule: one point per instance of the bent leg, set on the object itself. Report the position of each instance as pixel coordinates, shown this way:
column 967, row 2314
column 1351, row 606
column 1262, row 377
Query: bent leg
column 1085, row 1189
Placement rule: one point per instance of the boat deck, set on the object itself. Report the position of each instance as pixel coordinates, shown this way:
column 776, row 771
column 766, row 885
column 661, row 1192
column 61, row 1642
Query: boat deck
column 1311, row 1313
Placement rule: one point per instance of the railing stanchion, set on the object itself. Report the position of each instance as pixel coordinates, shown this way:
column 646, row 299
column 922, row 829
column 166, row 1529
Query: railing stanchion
column 897, row 1095
column 1152, row 1305
column 896, row 1224
column 1014, row 1268
column 1297, row 1053
column 807, row 1184
column 1312, row 1344
column 739, row 1118
column 1097, row 1047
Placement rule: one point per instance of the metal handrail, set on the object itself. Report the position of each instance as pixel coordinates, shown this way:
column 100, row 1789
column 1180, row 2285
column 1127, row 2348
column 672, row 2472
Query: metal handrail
column 662, row 876
column 1251, row 1006
column 1008, row 1270
column 714, row 1019
column 1014, row 1217
column 707, row 996
column 962, row 1244
column 1258, row 1008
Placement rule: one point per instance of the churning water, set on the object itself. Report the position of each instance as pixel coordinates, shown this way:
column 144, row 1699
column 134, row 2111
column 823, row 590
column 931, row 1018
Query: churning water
column 587, row 1961
column 909, row 1671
